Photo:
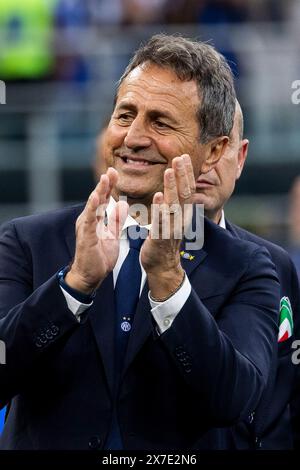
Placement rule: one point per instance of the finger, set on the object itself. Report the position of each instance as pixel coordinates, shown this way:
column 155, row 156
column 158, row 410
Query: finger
column 89, row 213
column 165, row 226
column 117, row 218
column 96, row 204
column 170, row 187
column 106, row 184
column 86, row 224
column 113, row 178
column 190, row 172
column 158, row 198
column 157, row 201
column 183, row 189
column 188, row 211
column 165, row 222
column 171, row 221
column 102, row 189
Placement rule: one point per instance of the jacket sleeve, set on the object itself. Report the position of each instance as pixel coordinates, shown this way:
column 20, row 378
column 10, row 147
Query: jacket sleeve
column 295, row 398
column 226, row 360
column 33, row 323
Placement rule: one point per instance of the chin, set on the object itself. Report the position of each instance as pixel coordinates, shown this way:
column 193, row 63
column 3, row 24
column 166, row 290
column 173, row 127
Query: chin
column 133, row 192
column 200, row 199
column 209, row 206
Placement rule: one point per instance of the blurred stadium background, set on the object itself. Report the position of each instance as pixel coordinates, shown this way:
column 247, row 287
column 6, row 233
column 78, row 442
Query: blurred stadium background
column 60, row 60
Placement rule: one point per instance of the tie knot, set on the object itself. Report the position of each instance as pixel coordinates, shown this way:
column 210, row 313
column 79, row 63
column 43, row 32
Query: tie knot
column 136, row 236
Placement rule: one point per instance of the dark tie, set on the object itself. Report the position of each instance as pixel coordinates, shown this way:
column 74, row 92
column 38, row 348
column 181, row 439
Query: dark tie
column 127, row 291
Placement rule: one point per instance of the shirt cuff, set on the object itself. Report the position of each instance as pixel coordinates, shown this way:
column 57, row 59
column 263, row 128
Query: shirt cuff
column 164, row 313
column 76, row 307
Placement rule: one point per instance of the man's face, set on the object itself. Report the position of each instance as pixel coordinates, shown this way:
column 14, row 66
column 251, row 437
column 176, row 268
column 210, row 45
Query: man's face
column 154, row 120
column 214, row 188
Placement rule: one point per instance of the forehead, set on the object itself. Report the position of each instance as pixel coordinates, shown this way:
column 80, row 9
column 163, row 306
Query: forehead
column 154, row 85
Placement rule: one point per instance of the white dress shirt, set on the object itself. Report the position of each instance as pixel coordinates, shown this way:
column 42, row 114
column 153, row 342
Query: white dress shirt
column 163, row 313
column 222, row 222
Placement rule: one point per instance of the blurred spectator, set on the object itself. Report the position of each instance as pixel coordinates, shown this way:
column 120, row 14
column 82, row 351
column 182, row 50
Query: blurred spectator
column 26, row 38
column 294, row 19
column 144, row 11
column 183, row 11
column 108, row 12
column 71, row 17
column 294, row 223
column 222, row 11
column 227, row 11
column 269, row 10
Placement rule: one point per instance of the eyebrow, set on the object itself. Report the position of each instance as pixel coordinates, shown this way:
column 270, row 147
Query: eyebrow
column 154, row 113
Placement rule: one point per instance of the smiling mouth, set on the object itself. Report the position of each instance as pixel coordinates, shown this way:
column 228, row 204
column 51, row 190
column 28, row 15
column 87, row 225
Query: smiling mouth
column 138, row 162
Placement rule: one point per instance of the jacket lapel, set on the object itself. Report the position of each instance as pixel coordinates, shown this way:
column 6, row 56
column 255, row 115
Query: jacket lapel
column 190, row 260
column 101, row 315
column 102, row 312
column 232, row 229
column 141, row 329
column 144, row 324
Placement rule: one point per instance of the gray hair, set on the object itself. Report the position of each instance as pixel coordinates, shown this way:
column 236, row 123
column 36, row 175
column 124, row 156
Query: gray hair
column 198, row 61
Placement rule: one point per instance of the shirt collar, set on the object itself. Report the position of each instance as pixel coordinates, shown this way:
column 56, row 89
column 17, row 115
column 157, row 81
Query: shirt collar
column 129, row 220
column 222, row 222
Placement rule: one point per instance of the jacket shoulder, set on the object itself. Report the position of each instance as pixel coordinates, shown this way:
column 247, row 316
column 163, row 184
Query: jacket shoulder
column 235, row 253
column 219, row 238
column 50, row 221
column 278, row 254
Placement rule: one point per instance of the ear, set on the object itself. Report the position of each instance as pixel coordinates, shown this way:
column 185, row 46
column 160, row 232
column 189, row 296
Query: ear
column 243, row 152
column 214, row 151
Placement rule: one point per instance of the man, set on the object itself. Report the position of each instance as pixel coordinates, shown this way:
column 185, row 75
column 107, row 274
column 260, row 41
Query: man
column 84, row 369
column 270, row 427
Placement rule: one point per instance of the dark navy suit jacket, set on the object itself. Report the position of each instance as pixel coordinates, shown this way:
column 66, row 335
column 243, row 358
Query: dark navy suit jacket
column 208, row 369
column 271, row 426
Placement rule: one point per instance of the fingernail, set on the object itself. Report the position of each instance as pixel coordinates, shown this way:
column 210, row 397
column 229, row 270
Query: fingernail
column 180, row 163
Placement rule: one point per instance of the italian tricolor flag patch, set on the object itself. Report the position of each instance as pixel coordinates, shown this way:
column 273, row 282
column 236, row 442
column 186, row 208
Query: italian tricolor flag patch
column 286, row 324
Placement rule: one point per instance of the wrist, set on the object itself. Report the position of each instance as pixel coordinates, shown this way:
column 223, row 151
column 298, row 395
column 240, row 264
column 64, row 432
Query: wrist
column 162, row 286
column 166, row 273
column 75, row 281
column 80, row 296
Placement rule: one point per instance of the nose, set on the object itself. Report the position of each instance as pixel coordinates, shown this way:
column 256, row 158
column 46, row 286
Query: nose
column 137, row 136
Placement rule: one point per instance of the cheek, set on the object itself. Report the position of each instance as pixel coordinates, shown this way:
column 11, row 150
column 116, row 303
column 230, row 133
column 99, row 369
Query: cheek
column 114, row 137
column 171, row 147
column 228, row 184
column 167, row 148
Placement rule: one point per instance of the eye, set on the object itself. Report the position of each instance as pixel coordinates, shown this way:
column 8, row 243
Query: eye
column 161, row 125
column 125, row 118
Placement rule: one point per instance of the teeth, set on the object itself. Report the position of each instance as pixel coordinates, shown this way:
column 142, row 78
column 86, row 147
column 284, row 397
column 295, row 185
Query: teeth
column 137, row 162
